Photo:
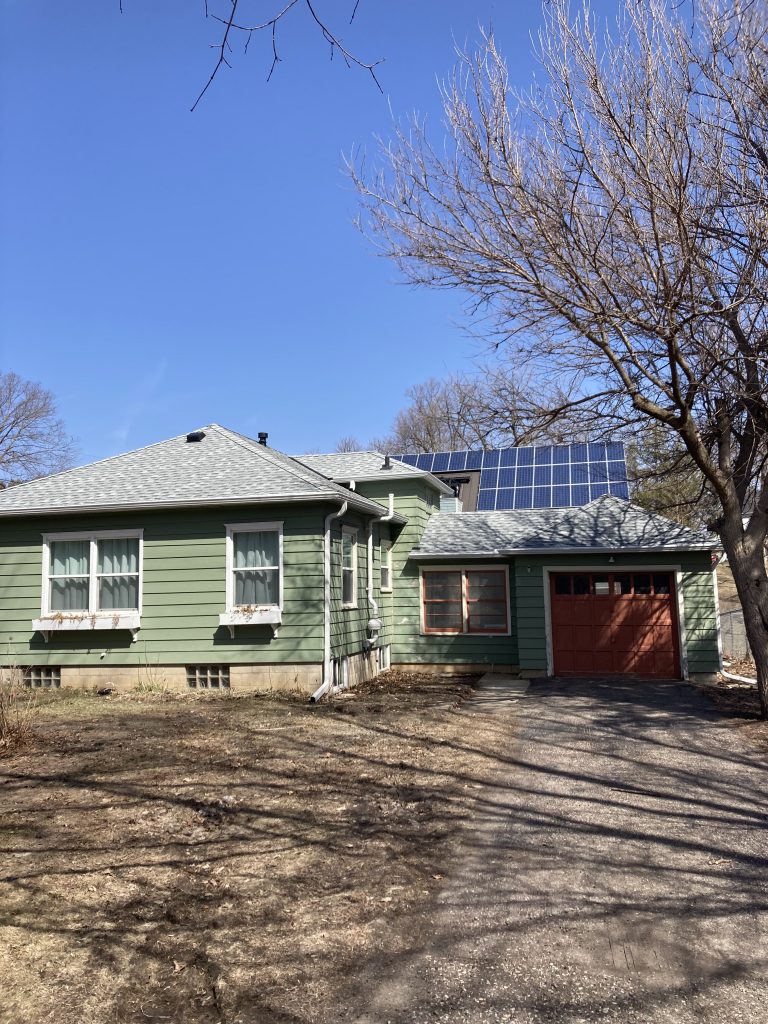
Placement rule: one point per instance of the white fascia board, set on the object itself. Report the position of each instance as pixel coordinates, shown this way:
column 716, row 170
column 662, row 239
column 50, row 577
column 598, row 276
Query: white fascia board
column 438, row 484
column 417, row 555
column 633, row 550
column 364, row 505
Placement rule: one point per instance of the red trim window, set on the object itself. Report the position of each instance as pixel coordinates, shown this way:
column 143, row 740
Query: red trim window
column 465, row 601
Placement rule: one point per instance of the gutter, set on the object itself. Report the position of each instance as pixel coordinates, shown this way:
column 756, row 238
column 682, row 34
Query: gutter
column 326, row 683
column 357, row 501
column 416, row 554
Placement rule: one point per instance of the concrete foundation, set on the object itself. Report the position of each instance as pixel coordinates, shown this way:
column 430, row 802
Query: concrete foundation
column 457, row 668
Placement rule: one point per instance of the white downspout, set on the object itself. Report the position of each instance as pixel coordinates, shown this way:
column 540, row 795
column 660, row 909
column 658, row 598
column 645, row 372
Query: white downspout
column 326, row 683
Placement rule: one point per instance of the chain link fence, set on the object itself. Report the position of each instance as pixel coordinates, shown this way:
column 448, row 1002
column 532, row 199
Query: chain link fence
column 735, row 646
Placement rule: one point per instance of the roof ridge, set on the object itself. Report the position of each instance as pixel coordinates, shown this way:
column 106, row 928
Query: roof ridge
column 265, row 452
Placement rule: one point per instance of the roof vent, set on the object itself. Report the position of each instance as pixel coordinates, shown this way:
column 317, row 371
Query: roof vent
column 196, row 435
column 387, row 463
column 263, row 435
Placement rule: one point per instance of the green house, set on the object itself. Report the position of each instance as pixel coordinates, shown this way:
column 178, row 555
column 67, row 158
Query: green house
column 214, row 561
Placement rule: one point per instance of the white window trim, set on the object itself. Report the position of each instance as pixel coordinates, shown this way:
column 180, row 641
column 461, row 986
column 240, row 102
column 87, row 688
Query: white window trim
column 385, row 560
column 350, row 531
column 493, row 567
column 93, row 618
column 237, row 615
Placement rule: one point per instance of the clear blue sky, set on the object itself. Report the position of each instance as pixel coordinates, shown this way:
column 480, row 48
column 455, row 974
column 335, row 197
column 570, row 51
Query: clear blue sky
column 161, row 269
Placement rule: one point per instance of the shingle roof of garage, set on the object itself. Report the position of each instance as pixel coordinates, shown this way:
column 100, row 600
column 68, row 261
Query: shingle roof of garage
column 606, row 524
column 223, row 468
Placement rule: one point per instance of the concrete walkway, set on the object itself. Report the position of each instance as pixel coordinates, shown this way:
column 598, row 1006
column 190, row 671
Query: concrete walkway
column 617, row 871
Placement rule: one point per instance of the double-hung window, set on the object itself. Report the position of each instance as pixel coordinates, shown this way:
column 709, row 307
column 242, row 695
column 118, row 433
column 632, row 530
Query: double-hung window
column 254, row 566
column 93, row 576
column 348, row 567
column 385, row 562
column 464, row 600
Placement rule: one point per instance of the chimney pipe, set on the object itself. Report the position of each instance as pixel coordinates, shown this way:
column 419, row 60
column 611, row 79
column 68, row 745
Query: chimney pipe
column 263, row 435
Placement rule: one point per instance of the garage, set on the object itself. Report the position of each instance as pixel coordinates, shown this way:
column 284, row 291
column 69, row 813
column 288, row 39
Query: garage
column 614, row 623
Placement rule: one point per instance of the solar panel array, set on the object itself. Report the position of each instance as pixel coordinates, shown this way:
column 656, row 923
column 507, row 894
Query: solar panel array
column 538, row 476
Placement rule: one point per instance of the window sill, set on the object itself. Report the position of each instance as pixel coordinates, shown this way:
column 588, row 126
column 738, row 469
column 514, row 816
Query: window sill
column 269, row 615
column 66, row 621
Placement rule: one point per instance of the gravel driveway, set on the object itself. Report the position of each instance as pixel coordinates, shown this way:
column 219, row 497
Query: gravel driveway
column 617, row 871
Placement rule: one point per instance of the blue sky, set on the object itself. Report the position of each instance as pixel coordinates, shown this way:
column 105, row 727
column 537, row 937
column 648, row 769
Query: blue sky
column 162, row 269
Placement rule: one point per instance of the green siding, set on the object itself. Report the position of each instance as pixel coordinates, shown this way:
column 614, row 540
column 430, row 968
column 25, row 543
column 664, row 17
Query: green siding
column 183, row 591
column 417, row 501
column 697, row 591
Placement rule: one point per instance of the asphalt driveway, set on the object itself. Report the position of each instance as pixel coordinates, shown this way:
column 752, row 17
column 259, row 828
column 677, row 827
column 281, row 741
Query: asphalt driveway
column 617, row 871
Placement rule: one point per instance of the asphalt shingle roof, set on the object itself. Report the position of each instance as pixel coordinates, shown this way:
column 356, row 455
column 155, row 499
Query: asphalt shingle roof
column 607, row 523
column 223, row 468
column 364, row 465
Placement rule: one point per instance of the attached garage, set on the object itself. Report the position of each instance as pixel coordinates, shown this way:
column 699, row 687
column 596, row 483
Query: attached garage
column 614, row 623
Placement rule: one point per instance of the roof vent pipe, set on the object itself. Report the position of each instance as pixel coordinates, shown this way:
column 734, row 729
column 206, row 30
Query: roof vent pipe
column 263, row 435
column 387, row 463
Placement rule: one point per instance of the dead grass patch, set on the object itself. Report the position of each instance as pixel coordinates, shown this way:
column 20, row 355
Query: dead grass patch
column 229, row 860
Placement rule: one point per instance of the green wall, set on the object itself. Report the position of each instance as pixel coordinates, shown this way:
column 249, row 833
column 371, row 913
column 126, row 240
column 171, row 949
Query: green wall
column 417, row 501
column 697, row 590
column 183, row 591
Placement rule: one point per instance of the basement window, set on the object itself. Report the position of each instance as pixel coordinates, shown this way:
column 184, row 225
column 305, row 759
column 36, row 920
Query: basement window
column 208, row 677
column 43, row 676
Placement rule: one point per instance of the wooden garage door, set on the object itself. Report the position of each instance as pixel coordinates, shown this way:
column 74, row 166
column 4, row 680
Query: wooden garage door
column 622, row 623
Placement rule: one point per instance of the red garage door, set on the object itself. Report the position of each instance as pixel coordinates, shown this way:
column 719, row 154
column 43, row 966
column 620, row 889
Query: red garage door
column 614, row 624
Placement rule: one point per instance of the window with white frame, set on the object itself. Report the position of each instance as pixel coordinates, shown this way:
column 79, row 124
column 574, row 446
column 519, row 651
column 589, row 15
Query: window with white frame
column 465, row 601
column 90, row 573
column 385, row 562
column 255, row 565
column 348, row 567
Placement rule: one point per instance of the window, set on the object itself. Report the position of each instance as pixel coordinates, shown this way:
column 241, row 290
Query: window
column 348, row 567
column 386, row 566
column 86, row 574
column 254, row 566
column 465, row 601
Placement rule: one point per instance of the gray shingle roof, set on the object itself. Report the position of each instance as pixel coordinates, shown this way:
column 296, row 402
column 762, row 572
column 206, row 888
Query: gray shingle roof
column 605, row 524
column 365, row 466
column 223, row 468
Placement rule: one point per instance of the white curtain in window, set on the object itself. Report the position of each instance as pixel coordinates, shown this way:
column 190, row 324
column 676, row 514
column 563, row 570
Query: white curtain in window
column 257, row 567
column 118, row 572
column 69, row 563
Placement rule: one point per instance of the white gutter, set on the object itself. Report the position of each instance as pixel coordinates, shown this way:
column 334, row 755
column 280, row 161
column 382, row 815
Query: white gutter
column 417, row 554
column 382, row 519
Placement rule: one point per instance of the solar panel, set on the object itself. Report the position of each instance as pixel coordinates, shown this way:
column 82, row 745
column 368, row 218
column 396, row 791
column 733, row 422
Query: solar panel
column 535, row 476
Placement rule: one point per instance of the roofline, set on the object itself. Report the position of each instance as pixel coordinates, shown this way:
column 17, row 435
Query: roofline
column 506, row 552
column 438, row 484
column 360, row 503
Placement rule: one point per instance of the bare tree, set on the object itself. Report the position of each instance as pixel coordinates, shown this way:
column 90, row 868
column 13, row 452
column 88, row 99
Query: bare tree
column 349, row 444
column 231, row 16
column 32, row 437
column 614, row 223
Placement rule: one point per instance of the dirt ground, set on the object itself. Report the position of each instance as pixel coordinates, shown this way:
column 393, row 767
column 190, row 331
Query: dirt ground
column 740, row 704
column 225, row 859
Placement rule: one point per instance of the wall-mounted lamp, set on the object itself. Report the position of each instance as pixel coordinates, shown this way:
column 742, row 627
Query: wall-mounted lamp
column 611, row 560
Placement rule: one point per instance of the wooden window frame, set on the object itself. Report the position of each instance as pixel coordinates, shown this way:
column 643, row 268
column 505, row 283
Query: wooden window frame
column 385, row 563
column 503, row 570
column 232, row 529
column 93, row 575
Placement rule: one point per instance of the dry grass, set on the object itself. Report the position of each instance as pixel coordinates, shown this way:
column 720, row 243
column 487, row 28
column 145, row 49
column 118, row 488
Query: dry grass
column 17, row 710
column 228, row 860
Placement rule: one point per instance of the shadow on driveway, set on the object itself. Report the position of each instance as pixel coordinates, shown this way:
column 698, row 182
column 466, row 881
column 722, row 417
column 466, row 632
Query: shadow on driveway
column 616, row 871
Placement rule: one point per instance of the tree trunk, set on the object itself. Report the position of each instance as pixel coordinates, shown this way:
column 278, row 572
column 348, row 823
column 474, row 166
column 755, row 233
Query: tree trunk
column 746, row 558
